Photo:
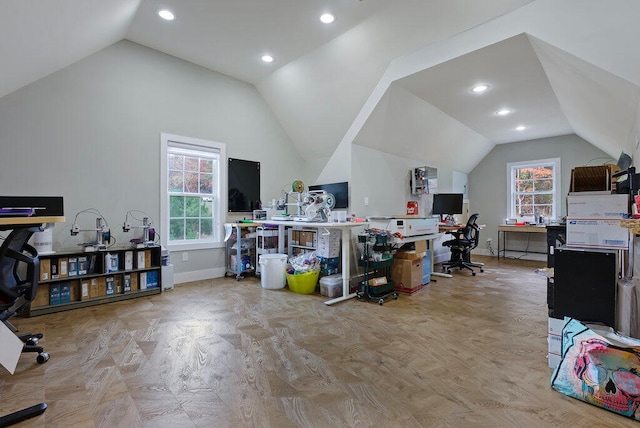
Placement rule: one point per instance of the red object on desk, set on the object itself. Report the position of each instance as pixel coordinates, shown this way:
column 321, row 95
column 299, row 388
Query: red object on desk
column 522, row 223
column 412, row 208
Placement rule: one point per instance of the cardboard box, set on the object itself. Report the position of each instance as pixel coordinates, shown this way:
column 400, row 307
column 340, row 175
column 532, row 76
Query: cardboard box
column 328, row 245
column 117, row 284
column 420, row 246
column 555, row 344
column 110, row 285
column 140, row 260
column 42, row 296
column 97, row 287
column 407, row 273
column 375, row 282
column 73, row 266
column 147, row 258
column 554, row 360
column 54, row 294
column 153, row 279
column 65, row 292
column 410, row 255
column 307, row 238
column 62, row 268
column 85, row 290
column 329, row 266
column 128, row 260
column 83, row 265
column 606, row 206
column 555, row 326
column 74, row 290
column 54, row 269
column 45, row 270
column 135, row 282
column 605, row 233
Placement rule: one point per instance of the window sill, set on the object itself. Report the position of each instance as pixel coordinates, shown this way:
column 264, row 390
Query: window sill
column 195, row 246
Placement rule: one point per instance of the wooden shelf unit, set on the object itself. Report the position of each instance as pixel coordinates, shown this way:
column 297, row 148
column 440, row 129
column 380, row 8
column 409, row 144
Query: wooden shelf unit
column 138, row 271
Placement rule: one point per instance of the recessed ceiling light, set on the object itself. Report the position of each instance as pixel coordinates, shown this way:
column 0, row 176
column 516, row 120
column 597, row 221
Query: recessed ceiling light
column 267, row 58
column 327, row 18
column 503, row 112
column 520, row 128
column 165, row 14
column 478, row 89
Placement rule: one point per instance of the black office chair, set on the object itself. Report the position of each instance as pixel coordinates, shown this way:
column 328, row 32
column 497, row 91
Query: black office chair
column 465, row 240
column 19, row 270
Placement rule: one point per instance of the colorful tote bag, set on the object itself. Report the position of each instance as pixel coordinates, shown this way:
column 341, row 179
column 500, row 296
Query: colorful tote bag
column 600, row 367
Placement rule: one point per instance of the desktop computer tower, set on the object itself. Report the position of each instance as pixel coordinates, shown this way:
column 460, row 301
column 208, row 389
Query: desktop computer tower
column 584, row 285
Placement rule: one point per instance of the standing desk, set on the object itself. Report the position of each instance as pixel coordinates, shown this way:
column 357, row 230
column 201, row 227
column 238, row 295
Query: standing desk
column 504, row 229
column 346, row 247
column 429, row 238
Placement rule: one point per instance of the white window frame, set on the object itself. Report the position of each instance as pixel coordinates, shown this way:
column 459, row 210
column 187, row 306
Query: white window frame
column 220, row 208
column 512, row 166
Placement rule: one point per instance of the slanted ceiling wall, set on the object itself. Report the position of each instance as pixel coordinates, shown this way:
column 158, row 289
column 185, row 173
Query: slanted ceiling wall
column 91, row 133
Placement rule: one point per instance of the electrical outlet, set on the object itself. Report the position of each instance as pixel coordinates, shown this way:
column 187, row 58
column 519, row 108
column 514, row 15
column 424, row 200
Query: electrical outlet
column 366, row 200
column 185, row 257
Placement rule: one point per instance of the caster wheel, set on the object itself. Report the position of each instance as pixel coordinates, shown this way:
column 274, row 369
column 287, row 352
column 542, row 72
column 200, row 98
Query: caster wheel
column 449, row 271
column 481, row 270
column 473, row 273
column 381, row 302
column 43, row 357
column 32, row 341
column 226, row 275
column 395, row 297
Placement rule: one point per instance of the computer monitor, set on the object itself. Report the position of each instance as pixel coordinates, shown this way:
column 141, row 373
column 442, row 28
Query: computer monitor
column 447, row 203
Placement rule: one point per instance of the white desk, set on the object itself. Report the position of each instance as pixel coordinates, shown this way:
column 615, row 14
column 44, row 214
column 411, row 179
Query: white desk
column 346, row 247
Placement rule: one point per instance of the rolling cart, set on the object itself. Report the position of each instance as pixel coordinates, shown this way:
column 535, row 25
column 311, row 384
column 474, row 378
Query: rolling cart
column 376, row 258
column 240, row 251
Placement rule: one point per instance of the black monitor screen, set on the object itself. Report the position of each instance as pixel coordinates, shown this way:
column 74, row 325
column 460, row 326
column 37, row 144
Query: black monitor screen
column 244, row 185
column 447, row 203
column 339, row 190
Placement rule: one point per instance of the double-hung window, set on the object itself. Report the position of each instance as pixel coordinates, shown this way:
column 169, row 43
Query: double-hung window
column 534, row 189
column 192, row 192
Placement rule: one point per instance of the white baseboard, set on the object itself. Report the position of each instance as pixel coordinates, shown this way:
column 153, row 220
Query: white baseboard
column 199, row 275
column 512, row 254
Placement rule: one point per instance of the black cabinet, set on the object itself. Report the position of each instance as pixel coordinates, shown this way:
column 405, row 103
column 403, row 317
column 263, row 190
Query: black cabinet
column 584, row 285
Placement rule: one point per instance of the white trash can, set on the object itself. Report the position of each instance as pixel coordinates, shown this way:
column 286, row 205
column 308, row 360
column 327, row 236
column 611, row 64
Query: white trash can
column 272, row 270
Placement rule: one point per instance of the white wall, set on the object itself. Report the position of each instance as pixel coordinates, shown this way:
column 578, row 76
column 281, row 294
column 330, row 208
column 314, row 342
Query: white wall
column 91, row 133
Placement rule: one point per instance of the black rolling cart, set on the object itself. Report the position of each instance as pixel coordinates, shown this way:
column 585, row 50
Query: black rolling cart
column 376, row 258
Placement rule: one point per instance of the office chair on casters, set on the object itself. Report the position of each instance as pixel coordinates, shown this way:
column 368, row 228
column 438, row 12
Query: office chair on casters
column 18, row 258
column 465, row 240
column 19, row 270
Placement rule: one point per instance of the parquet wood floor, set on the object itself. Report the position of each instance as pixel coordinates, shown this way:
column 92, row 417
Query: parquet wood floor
column 462, row 352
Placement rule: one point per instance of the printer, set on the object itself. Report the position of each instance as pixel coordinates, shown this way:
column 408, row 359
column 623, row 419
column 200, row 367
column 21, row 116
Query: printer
column 405, row 225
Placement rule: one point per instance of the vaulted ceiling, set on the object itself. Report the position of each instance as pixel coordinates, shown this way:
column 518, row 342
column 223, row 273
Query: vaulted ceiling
column 386, row 75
